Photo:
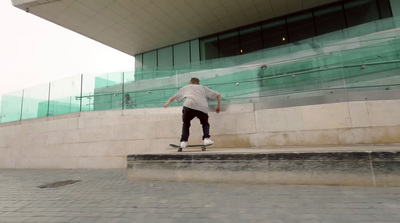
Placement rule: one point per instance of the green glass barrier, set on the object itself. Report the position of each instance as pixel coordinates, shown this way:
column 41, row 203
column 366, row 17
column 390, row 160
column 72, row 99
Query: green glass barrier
column 129, row 98
column 63, row 94
column 109, row 79
column 35, row 102
column 85, row 97
column 11, row 104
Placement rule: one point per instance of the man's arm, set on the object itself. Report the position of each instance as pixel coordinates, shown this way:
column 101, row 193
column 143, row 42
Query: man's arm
column 169, row 101
column 218, row 109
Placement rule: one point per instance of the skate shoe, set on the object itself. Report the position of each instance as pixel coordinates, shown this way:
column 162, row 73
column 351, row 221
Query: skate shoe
column 184, row 144
column 207, row 142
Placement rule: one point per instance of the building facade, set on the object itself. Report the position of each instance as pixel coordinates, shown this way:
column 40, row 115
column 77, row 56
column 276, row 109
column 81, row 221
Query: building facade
column 286, row 29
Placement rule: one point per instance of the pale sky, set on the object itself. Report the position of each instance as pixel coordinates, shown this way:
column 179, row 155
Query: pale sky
column 34, row 51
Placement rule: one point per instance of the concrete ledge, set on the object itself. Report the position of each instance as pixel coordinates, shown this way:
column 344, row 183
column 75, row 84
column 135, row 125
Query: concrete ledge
column 316, row 168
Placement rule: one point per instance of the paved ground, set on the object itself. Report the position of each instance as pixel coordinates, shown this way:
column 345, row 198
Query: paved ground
column 108, row 196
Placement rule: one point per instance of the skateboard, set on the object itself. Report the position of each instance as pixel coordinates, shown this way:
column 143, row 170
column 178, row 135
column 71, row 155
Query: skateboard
column 203, row 147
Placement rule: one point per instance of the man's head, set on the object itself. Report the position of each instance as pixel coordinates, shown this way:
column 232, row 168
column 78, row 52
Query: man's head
column 194, row 80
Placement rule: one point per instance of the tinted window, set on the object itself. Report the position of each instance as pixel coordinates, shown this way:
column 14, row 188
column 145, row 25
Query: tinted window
column 295, row 27
column 361, row 11
column 274, row 32
column 209, row 48
column 229, row 44
column 385, row 9
column 329, row 19
column 251, row 39
column 300, row 26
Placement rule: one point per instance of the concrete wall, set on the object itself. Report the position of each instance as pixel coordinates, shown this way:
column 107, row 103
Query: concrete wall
column 103, row 139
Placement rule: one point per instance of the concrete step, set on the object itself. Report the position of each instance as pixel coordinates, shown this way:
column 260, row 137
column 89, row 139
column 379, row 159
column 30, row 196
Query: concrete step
column 346, row 166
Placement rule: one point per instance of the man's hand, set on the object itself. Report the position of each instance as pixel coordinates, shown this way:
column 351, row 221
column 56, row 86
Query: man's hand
column 218, row 109
column 169, row 102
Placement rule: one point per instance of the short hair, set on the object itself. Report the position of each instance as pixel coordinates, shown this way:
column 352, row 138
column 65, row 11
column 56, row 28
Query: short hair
column 195, row 80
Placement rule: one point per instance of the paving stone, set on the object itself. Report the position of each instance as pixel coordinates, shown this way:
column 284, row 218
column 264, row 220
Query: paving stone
column 109, row 196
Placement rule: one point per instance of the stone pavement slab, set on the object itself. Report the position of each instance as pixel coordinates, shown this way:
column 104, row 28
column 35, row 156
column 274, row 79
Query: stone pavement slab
column 286, row 149
column 109, row 196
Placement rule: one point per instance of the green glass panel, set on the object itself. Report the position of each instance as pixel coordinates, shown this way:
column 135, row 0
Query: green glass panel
column 372, row 75
column 367, row 54
column 386, row 24
column 249, row 57
column 89, row 82
column 87, row 101
column 150, row 99
column 395, row 6
column 165, row 58
column 223, row 62
column 274, row 51
column 331, row 79
column 330, row 38
column 108, row 79
column 181, row 54
column 360, row 30
column 64, row 96
column 11, row 106
column 36, row 102
column 194, row 51
column 129, row 101
column 298, row 48
column 139, row 60
column 150, row 60
column 110, row 97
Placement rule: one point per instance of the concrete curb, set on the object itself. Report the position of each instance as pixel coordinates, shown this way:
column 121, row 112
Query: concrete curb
column 357, row 168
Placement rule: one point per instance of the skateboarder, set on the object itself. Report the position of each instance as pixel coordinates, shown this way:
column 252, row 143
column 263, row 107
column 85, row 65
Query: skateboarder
column 195, row 105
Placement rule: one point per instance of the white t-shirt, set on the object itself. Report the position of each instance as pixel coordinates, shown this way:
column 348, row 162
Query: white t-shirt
column 196, row 96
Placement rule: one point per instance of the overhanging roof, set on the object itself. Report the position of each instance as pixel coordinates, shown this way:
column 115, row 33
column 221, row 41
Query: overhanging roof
column 136, row 26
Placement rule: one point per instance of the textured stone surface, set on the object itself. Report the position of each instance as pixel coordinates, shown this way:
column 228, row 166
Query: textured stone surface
column 313, row 168
column 109, row 196
column 103, row 139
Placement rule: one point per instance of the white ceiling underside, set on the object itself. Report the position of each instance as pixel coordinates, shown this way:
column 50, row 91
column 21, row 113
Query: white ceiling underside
column 136, row 26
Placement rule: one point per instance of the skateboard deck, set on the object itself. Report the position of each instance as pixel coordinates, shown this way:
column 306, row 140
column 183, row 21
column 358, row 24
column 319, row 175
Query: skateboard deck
column 203, row 147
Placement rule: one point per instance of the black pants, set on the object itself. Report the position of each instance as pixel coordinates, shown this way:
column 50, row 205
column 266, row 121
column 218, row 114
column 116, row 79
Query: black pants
column 187, row 115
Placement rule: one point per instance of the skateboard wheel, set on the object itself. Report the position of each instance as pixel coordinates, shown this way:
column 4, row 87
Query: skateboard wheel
column 180, row 150
column 203, row 148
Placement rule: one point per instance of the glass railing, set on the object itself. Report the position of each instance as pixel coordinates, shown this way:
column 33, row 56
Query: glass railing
column 244, row 86
column 338, row 40
column 358, row 64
